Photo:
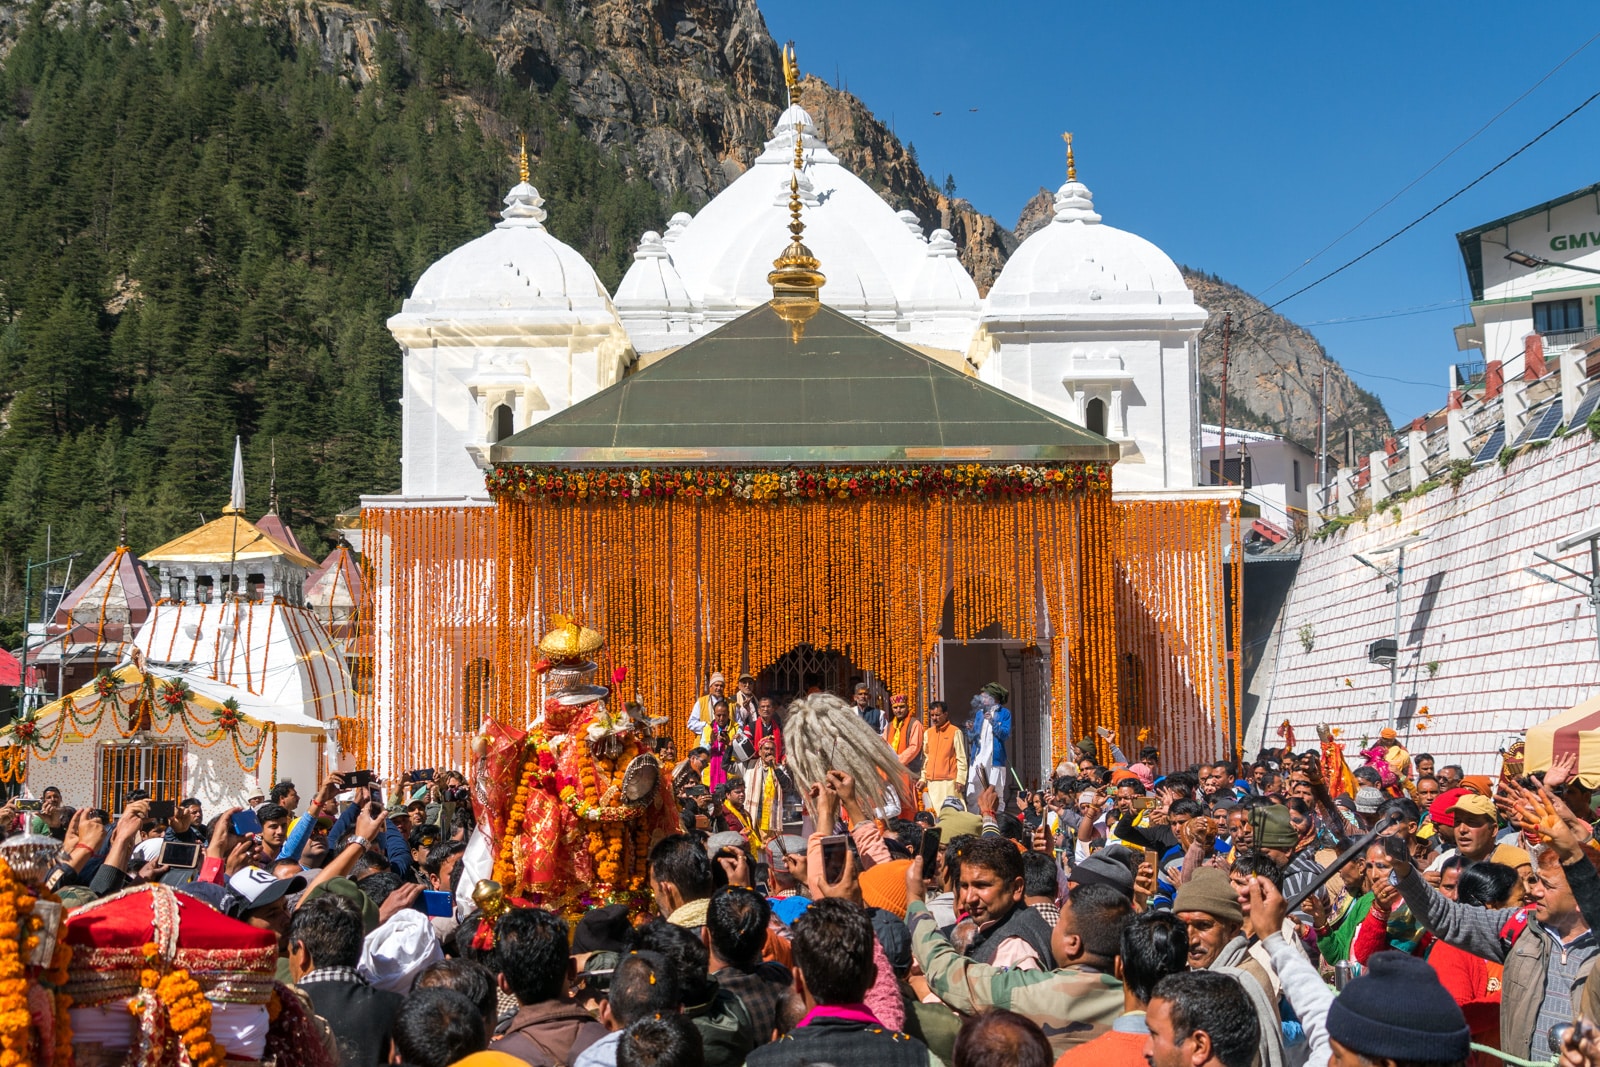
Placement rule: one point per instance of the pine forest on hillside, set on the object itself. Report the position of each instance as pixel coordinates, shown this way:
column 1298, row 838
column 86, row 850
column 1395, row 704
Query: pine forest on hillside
column 203, row 238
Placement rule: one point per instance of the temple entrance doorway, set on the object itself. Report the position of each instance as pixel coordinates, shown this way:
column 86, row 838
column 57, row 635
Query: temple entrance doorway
column 966, row 667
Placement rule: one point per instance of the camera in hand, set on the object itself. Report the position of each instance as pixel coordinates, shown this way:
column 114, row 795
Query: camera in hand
column 163, row 809
column 357, row 779
column 27, row 804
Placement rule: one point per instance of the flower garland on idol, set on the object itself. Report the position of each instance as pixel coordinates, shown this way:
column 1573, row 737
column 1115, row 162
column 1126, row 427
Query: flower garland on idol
column 771, row 485
column 32, row 1004
column 170, row 1005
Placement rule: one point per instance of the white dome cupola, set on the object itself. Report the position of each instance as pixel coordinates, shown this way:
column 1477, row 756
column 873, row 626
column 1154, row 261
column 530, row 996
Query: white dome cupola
column 873, row 255
column 1097, row 325
column 497, row 334
column 1075, row 265
column 518, row 264
column 661, row 314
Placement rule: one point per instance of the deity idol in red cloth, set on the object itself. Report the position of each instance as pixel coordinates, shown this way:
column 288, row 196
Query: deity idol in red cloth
column 573, row 804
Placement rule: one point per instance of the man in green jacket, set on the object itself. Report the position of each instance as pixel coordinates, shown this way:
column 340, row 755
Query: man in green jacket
column 1072, row 1004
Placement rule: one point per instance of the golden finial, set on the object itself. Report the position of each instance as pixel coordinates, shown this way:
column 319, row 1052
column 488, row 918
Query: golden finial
column 797, row 276
column 522, row 158
column 791, row 72
column 1072, row 167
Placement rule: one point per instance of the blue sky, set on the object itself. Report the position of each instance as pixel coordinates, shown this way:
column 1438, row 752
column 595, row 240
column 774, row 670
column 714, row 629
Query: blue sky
column 1243, row 138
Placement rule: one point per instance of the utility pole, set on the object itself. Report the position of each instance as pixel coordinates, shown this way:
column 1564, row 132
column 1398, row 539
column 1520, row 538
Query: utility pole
column 1222, row 435
column 1322, row 433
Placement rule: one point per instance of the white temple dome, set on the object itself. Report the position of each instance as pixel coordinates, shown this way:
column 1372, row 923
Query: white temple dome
column 1077, row 265
column 871, row 255
column 517, row 266
column 941, row 283
column 654, row 284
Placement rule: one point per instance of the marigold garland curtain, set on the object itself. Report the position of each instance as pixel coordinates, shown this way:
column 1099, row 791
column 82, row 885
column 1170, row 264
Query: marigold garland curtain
column 684, row 586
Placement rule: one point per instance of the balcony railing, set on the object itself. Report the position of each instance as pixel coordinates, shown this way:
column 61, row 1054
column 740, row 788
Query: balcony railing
column 1568, row 338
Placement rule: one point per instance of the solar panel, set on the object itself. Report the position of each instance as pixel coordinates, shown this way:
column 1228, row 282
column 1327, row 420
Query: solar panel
column 1586, row 406
column 1548, row 422
column 1491, row 448
column 1542, row 426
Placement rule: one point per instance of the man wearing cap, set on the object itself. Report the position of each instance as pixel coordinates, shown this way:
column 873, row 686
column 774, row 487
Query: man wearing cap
column 944, row 758
column 765, row 784
column 1368, row 800
column 904, row 733
column 767, row 725
column 1397, row 1012
column 1103, row 868
column 1547, row 966
column 1273, row 833
column 265, row 907
column 744, row 701
column 700, row 715
column 786, row 877
column 1394, row 753
column 1475, row 824
column 987, row 734
column 1208, row 907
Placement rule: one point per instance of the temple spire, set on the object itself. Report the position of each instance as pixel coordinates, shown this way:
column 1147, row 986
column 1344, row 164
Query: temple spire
column 236, row 500
column 1072, row 166
column 272, row 484
column 522, row 158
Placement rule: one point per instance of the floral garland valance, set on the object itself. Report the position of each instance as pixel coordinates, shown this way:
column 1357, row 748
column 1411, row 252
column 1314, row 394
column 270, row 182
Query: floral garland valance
column 774, row 485
column 143, row 703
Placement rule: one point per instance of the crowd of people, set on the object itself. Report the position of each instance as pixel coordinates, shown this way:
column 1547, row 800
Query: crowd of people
column 1123, row 913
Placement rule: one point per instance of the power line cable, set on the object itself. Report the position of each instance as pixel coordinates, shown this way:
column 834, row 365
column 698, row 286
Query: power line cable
column 1547, row 131
column 1442, row 161
column 1397, row 313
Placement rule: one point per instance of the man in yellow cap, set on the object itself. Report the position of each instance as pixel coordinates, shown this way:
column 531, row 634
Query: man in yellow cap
column 1476, row 827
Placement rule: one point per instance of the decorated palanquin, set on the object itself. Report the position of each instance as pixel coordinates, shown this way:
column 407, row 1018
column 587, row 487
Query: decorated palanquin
column 162, row 979
column 573, row 802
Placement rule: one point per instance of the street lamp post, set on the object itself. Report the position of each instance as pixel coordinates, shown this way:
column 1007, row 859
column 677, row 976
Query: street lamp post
column 1397, row 579
column 1590, row 589
column 27, row 603
column 1522, row 259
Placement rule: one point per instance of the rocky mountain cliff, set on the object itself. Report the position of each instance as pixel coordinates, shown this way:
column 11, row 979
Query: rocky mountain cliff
column 684, row 93
column 1275, row 367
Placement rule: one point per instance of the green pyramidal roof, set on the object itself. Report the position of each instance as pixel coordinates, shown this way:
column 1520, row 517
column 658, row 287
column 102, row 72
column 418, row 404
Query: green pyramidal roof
column 843, row 393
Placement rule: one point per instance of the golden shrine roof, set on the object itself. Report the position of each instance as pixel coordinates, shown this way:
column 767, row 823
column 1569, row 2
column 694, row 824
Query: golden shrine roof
column 230, row 538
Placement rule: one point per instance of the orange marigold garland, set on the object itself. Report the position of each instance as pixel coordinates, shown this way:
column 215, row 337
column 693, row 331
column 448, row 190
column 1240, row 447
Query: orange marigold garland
column 16, row 1026
column 507, row 871
column 189, row 1015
